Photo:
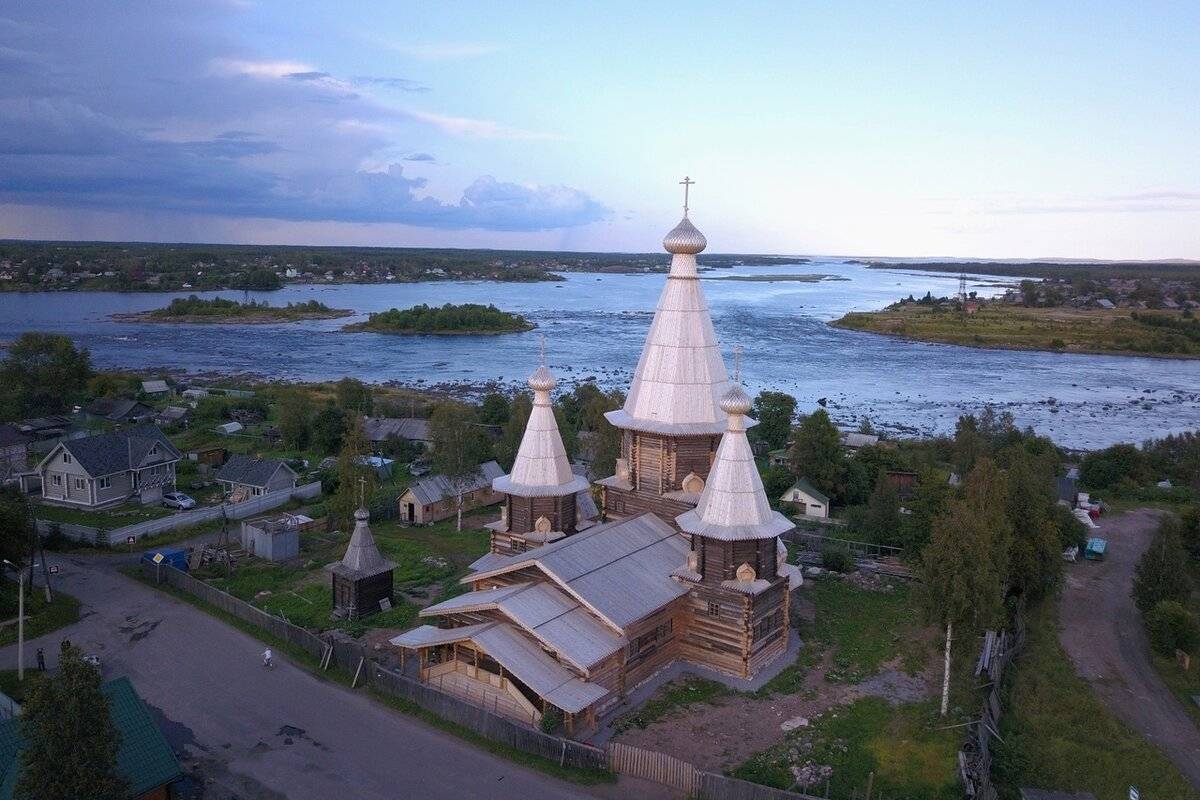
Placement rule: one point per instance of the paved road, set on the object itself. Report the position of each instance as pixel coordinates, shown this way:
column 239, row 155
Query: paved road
column 267, row 734
column 1102, row 632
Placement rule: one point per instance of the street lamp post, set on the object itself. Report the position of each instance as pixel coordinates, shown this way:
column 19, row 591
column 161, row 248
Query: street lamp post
column 20, row 620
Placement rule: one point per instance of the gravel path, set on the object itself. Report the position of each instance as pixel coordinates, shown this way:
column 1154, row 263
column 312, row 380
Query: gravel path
column 1102, row 632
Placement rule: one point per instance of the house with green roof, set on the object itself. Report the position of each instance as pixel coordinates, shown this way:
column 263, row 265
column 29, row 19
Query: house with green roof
column 806, row 500
column 145, row 760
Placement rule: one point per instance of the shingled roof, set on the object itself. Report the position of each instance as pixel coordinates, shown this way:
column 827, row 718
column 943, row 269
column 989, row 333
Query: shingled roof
column 118, row 451
column 243, row 469
column 362, row 559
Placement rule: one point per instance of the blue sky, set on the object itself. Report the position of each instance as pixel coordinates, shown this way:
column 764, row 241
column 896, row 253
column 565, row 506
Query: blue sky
column 1002, row 130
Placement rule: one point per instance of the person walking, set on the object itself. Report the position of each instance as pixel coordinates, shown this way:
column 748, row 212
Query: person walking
column 267, row 658
column 41, row 660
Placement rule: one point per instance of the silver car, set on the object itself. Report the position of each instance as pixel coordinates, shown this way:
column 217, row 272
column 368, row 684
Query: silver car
column 178, row 500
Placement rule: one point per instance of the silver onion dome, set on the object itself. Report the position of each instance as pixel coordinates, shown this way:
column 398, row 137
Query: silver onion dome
column 736, row 402
column 542, row 380
column 685, row 238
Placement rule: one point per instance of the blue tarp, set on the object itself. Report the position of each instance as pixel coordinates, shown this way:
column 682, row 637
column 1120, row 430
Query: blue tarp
column 1095, row 548
column 175, row 557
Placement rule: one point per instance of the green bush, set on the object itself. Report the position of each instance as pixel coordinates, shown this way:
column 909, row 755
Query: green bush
column 317, row 510
column 551, row 719
column 836, row 559
column 1172, row 627
column 1113, row 465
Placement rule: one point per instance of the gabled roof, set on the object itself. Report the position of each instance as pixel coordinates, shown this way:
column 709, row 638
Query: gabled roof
column 620, row 570
column 734, row 505
column 435, row 488
column 118, row 451
column 243, row 469
column 379, row 428
column 547, row 613
column 117, row 409
column 541, row 468
column 680, row 376
column 520, row 656
column 155, row 386
column 803, row 485
column 362, row 558
column 144, row 759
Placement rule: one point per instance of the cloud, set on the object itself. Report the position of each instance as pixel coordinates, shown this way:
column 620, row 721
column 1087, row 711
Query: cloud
column 208, row 126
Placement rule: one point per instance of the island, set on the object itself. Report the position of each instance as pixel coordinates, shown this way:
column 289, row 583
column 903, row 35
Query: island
column 465, row 319
column 218, row 310
column 996, row 324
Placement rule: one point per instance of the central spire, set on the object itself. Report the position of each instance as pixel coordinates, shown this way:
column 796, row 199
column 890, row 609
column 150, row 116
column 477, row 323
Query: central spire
column 680, row 377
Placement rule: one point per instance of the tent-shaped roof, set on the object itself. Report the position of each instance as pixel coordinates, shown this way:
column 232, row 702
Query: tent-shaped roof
column 733, row 504
column 541, row 468
column 680, row 376
column 362, row 559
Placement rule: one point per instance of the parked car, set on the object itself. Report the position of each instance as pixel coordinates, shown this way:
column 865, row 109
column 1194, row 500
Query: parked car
column 178, row 500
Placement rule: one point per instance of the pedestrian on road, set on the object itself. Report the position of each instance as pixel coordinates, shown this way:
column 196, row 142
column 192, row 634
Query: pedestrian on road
column 267, row 662
column 41, row 659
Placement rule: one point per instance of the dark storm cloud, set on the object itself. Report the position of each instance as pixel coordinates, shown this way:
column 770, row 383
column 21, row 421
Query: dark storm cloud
column 173, row 113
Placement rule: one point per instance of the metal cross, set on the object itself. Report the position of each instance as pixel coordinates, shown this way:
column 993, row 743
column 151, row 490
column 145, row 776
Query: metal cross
column 686, row 183
column 737, row 363
column 362, row 491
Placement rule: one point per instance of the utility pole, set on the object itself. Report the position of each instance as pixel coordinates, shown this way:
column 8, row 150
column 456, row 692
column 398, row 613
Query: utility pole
column 20, row 620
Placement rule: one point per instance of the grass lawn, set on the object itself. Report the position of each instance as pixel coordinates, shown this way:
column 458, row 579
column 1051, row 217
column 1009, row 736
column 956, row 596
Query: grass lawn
column 15, row 689
column 1059, row 735
column 867, row 629
column 1077, row 330
column 105, row 519
column 42, row 617
column 900, row 744
column 429, row 561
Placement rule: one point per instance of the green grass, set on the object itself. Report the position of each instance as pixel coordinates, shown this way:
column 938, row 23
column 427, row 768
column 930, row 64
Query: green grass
column 675, row 696
column 43, row 617
column 1185, row 685
column 1057, row 329
column 1059, row 735
column 104, row 519
column 15, row 689
column 867, row 629
column 302, row 658
column 902, row 745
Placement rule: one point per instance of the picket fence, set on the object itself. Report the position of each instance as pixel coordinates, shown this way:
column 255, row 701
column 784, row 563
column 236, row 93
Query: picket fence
column 975, row 756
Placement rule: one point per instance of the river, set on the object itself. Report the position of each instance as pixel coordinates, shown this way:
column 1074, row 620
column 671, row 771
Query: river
column 595, row 325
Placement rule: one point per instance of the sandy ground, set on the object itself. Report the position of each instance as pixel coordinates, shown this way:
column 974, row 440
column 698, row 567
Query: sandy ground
column 1102, row 632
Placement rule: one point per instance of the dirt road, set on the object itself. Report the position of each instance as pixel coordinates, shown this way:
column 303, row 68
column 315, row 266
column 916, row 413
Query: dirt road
column 1102, row 632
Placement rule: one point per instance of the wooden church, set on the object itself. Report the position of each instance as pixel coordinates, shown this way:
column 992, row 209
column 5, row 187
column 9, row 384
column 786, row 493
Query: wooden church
column 568, row 614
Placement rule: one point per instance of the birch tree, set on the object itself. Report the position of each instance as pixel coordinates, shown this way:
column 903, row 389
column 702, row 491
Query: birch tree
column 965, row 564
column 459, row 447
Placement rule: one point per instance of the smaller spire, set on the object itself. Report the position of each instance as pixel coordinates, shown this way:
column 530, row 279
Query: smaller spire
column 362, row 558
column 685, row 238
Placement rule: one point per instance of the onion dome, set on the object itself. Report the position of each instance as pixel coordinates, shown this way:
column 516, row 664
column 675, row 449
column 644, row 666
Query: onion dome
column 542, row 380
column 736, row 402
column 685, row 239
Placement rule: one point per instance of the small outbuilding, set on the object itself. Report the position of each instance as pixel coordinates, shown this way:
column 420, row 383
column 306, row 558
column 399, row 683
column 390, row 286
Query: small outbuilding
column 435, row 497
column 806, row 500
column 274, row 538
column 155, row 388
column 362, row 580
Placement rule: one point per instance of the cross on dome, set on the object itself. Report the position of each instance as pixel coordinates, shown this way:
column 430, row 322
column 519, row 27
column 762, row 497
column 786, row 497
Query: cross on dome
column 686, row 183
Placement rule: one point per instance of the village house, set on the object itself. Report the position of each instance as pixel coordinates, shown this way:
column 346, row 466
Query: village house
column 435, row 497
column 109, row 468
column 379, row 429
column 155, row 388
column 119, row 410
column 144, row 758
column 44, row 429
column 569, row 619
column 243, row 477
column 853, row 440
column 806, row 500
column 173, row 415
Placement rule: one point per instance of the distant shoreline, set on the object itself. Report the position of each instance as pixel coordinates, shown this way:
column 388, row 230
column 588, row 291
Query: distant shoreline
column 233, row 319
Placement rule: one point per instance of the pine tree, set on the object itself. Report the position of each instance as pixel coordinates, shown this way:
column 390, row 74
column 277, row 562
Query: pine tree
column 1161, row 572
column 356, row 480
column 965, row 564
column 295, row 418
column 71, row 742
column 883, row 512
column 817, row 453
column 774, row 412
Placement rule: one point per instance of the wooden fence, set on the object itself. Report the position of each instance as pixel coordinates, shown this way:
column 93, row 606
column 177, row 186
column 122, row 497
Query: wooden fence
column 975, row 757
column 623, row 759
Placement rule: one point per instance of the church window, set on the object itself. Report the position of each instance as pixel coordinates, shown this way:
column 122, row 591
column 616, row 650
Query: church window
column 714, row 609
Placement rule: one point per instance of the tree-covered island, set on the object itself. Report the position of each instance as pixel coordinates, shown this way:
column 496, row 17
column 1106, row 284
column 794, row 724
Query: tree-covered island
column 220, row 310
column 468, row 318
